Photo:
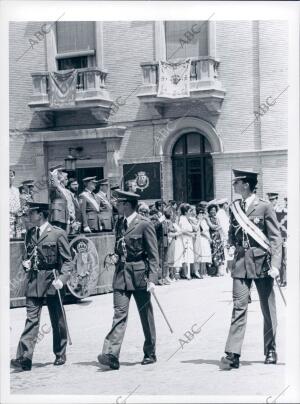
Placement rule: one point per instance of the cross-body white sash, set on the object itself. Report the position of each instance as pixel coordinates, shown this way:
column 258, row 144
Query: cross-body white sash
column 249, row 227
column 91, row 200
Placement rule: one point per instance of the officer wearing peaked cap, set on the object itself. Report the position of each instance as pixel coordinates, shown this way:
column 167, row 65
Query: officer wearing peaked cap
column 135, row 275
column 46, row 248
column 105, row 205
column 273, row 198
column 255, row 234
column 90, row 207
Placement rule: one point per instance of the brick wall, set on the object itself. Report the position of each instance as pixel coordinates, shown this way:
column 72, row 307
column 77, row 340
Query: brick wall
column 253, row 66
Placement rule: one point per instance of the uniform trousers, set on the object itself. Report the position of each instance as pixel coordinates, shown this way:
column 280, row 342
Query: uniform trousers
column 240, row 292
column 30, row 334
column 113, row 341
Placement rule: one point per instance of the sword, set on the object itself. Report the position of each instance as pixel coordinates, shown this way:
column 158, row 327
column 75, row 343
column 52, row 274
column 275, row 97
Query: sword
column 279, row 287
column 162, row 312
column 280, row 290
column 63, row 311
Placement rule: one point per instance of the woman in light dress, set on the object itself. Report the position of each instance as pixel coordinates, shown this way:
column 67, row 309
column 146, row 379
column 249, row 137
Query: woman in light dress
column 202, row 250
column 184, row 248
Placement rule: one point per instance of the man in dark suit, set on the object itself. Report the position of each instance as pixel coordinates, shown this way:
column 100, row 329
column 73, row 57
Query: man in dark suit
column 136, row 272
column 90, row 207
column 255, row 234
column 47, row 248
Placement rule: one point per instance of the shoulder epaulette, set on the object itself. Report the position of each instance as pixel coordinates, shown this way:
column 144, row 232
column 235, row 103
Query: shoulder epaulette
column 145, row 218
column 56, row 227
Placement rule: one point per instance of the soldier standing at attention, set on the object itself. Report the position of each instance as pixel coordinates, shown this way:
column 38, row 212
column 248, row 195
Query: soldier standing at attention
column 90, row 207
column 136, row 272
column 105, row 205
column 46, row 248
column 255, row 234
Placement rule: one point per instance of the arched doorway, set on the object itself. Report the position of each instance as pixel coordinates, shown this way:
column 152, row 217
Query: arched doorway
column 192, row 169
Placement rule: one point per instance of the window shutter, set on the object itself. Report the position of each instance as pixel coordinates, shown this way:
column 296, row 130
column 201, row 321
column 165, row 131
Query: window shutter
column 75, row 36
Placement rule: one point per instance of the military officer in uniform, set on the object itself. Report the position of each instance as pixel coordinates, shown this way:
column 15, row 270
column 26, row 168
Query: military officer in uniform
column 273, row 199
column 90, row 207
column 255, row 234
column 105, row 205
column 59, row 212
column 46, row 248
column 136, row 273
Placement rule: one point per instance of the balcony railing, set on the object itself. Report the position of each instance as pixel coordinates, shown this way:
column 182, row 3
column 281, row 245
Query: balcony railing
column 201, row 69
column 204, row 83
column 90, row 90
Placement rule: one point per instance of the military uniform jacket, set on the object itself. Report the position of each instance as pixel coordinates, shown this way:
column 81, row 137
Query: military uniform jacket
column 141, row 261
column 53, row 251
column 90, row 210
column 106, row 210
column 252, row 262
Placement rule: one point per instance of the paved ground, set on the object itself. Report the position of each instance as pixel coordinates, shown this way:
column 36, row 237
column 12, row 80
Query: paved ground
column 192, row 370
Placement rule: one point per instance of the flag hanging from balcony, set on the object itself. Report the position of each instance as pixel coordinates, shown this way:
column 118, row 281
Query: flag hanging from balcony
column 174, row 79
column 62, row 88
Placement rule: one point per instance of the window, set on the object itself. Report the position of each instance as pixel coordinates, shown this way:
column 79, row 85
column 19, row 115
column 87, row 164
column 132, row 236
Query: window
column 75, row 42
column 186, row 39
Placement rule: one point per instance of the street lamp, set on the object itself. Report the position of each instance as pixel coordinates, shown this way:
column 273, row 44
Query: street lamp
column 70, row 161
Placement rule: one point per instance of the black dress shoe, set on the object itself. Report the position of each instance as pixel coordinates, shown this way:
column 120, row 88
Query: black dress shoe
column 109, row 361
column 21, row 364
column 231, row 361
column 60, row 360
column 271, row 358
column 149, row 359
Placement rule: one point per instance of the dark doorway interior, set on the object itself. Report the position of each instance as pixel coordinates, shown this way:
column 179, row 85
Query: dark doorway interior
column 192, row 169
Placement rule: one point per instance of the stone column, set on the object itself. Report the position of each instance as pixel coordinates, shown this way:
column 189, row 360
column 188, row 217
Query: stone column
column 41, row 178
column 160, row 41
column 212, row 39
column 51, row 49
column 99, row 43
column 112, row 167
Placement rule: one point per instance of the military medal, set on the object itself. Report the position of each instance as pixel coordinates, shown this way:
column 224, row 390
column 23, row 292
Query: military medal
column 35, row 259
column 245, row 244
column 124, row 255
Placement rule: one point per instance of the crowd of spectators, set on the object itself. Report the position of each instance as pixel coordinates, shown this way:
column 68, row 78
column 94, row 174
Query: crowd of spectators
column 191, row 239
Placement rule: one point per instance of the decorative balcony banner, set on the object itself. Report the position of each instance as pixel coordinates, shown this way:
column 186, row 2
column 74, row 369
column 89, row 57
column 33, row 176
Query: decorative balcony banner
column 62, row 88
column 174, row 79
column 143, row 178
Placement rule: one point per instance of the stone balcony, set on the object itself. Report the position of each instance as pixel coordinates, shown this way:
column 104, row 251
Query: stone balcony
column 90, row 92
column 204, row 86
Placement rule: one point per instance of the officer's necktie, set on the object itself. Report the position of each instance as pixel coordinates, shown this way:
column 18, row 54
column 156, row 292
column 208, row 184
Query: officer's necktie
column 125, row 224
column 38, row 233
column 243, row 205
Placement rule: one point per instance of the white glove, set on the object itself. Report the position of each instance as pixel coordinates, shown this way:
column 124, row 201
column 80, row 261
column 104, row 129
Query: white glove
column 57, row 284
column 27, row 265
column 87, row 229
column 150, row 287
column 274, row 272
column 162, row 219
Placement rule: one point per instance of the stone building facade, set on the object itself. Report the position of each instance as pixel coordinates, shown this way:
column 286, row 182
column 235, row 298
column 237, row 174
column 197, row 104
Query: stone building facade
column 235, row 117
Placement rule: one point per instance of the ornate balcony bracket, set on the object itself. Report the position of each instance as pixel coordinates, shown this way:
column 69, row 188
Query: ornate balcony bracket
column 205, row 87
column 91, row 93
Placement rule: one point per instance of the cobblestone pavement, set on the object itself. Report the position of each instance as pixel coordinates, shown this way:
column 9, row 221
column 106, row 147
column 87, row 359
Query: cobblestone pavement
column 204, row 305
